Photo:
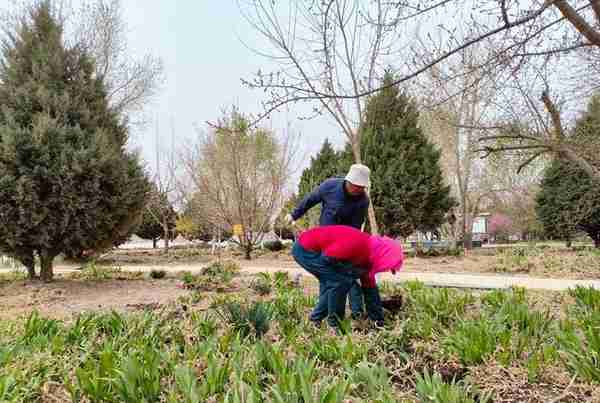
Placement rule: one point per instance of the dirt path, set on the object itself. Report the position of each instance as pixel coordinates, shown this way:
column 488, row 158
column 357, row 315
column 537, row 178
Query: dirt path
column 446, row 278
column 63, row 297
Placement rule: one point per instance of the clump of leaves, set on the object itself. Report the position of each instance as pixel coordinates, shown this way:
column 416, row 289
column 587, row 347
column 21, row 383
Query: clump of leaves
column 188, row 279
column 216, row 276
column 432, row 389
column 473, row 340
column 509, row 328
column 246, row 320
column 223, row 270
column 579, row 337
column 8, row 388
column 586, row 298
column 433, row 310
column 39, row 330
column 282, row 281
column 138, row 378
column 263, row 284
column 95, row 272
column 214, row 381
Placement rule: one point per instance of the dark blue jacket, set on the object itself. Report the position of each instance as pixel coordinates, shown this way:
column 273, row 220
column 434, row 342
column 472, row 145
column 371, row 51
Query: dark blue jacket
column 337, row 207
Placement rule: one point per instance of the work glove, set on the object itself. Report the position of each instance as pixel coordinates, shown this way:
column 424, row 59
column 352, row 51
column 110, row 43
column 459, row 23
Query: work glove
column 290, row 220
column 373, row 304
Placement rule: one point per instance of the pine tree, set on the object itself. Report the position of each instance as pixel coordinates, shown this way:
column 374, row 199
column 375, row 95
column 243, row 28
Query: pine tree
column 569, row 199
column 325, row 165
column 67, row 183
column 408, row 190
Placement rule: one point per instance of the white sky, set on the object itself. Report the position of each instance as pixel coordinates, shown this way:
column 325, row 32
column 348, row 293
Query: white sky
column 204, row 60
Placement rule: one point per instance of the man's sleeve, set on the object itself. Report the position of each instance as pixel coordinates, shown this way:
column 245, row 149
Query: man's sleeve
column 361, row 214
column 314, row 197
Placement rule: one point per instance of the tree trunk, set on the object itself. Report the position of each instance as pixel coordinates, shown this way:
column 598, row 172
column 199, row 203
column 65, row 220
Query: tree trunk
column 371, row 210
column 29, row 263
column 31, row 271
column 166, row 234
column 153, row 243
column 248, row 251
column 46, row 272
column 467, row 235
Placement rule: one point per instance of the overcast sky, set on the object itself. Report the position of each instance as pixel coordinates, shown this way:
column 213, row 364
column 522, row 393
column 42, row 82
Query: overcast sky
column 204, row 59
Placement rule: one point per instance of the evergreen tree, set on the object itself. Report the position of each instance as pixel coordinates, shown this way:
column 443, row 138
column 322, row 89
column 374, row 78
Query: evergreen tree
column 408, row 190
column 67, row 183
column 569, row 199
column 158, row 214
column 325, row 165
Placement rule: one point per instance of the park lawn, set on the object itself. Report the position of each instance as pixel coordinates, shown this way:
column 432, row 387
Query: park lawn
column 248, row 339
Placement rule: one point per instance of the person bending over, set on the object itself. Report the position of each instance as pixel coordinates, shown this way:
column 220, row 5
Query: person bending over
column 337, row 256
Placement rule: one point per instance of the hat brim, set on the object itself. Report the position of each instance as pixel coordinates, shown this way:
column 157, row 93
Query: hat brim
column 357, row 184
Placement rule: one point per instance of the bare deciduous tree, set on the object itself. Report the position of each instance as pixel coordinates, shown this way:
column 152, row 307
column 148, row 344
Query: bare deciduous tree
column 240, row 173
column 560, row 34
column 457, row 99
column 99, row 27
column 159, row 205
column 324, row 47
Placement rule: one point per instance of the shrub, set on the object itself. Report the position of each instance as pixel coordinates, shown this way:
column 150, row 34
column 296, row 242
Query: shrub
column 158, row 274
column 273, row 246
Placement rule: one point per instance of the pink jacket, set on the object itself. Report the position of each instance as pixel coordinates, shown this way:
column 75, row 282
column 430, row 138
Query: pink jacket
column 373, row 254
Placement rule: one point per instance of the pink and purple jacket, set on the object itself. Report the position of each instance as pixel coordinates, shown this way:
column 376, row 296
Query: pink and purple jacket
column 373, row 254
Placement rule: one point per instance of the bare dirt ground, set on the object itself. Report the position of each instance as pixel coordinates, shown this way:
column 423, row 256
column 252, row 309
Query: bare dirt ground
column 68, row 295
column 65, row 296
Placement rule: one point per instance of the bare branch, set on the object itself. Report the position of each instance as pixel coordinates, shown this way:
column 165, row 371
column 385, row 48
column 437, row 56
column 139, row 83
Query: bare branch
column 579, row 22
column 555, row 116
column 504, row 13
column 530, row 160
column 555, row 51
column 596, row 7
column 518, row 136
column 418, row 13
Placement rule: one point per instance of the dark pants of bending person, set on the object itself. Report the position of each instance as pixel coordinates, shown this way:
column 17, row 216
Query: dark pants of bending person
column 335, row 281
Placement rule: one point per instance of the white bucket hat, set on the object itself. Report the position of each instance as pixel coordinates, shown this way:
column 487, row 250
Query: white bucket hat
column 359, row 175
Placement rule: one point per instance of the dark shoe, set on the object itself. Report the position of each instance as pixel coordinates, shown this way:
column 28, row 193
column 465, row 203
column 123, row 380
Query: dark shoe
column 357, row 315
column 316, row 323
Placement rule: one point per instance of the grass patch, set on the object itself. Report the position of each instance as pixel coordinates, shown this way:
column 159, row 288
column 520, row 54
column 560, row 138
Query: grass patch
column 243, row 348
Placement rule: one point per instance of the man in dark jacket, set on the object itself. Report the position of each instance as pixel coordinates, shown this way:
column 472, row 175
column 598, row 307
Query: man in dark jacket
column 343, row 202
